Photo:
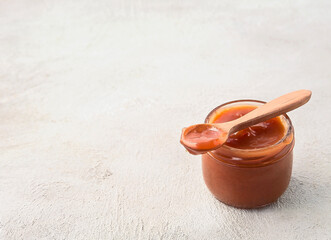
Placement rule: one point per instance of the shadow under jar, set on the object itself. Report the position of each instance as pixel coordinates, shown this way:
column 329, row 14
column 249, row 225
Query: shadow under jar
column 249, row 178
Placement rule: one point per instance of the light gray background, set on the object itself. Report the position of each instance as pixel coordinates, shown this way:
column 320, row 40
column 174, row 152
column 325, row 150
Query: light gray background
column 93, row 96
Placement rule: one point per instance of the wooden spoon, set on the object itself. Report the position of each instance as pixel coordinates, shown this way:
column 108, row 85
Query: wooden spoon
column 202, row 138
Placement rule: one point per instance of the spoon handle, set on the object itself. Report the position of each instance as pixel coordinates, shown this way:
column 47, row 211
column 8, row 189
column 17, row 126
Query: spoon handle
column 274, row 108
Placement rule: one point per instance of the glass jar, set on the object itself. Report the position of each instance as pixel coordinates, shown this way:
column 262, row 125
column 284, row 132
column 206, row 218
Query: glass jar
column 249, row 178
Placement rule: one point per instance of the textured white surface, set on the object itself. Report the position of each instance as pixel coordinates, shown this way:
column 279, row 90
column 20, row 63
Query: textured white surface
column 93, row 96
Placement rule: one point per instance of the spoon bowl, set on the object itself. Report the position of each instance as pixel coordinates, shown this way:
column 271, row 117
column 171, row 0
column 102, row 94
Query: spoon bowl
column 201, row 138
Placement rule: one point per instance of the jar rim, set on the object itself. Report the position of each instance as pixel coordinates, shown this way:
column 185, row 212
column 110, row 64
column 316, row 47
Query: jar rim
column 255, row 150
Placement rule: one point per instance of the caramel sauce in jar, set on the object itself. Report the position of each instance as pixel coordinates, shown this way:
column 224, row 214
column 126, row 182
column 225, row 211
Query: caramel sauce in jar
column 253, row 167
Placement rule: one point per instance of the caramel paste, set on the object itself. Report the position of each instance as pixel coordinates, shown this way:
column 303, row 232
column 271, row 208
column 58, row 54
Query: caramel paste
column 253, row 167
